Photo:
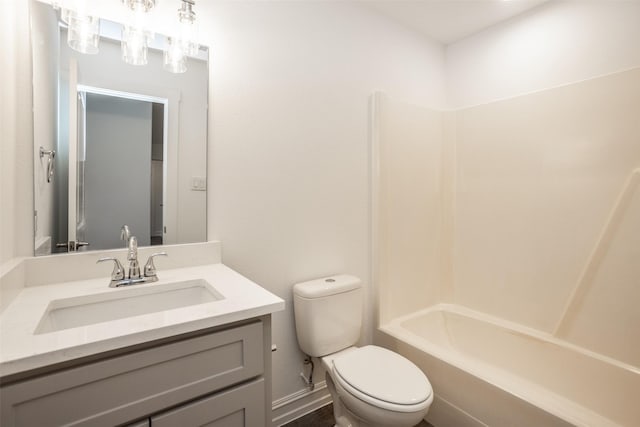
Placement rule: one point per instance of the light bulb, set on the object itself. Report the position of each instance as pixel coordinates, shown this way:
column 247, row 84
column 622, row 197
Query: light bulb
column 135, row 43
column 174, row 57
column 83, row 34
column 143, row 5
column 70, row 7
column 188, row 28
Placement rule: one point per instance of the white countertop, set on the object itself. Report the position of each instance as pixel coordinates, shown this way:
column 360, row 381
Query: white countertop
column 21, row 349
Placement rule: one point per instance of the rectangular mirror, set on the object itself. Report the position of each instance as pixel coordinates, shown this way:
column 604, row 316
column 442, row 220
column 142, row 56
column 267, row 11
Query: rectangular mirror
column 115, row 144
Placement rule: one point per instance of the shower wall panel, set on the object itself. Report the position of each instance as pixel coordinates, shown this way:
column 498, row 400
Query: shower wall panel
column 538, row 178
column 410, row 209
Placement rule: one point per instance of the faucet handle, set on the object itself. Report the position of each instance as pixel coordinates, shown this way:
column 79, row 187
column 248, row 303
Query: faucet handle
column 118, row 271
column 149, row 267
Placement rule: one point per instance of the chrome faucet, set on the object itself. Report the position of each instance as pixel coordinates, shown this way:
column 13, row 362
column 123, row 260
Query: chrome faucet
column 125, row 234
column 134, row 277
column 132, row 257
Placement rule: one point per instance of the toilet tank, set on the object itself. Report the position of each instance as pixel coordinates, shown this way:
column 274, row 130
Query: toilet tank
column 328, row 314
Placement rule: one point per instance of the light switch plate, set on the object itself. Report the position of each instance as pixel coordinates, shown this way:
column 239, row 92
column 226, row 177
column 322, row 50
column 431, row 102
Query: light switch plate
column 198, row 183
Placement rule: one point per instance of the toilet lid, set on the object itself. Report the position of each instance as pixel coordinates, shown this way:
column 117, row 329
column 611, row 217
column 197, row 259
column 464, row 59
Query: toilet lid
column 383, row 375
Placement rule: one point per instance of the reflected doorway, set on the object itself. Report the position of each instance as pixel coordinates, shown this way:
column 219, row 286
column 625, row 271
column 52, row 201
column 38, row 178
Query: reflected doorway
column 120, row 168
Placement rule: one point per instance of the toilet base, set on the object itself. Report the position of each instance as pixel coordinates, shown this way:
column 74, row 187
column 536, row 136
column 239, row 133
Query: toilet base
column 344, row 417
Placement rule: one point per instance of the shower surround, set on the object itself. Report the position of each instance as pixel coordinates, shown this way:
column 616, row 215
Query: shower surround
column 507, row 234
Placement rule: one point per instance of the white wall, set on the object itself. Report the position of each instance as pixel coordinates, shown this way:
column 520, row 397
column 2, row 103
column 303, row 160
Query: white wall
column 288, row 159
column 16, row 134
column 289, row 164
column 557, row 43
column 290, row 82
column 45, row 45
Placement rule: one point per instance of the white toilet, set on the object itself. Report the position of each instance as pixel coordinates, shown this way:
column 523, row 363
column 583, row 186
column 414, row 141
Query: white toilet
column 370, row 386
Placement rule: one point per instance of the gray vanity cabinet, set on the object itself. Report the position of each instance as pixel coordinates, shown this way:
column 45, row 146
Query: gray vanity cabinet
column 214, row 377
column 234, row 408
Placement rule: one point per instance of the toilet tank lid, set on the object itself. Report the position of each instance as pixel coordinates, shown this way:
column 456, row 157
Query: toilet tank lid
column 326, row 286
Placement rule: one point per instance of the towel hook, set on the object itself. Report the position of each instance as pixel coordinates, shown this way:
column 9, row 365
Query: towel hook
column 51, row 154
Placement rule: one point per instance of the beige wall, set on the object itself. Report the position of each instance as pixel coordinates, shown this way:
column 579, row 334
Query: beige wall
column 537, row 177
column 543, row 194
column 410, row 238
column 604, row 314
column 538, row 190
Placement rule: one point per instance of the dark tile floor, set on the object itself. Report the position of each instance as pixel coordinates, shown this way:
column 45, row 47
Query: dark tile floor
column 323, row 417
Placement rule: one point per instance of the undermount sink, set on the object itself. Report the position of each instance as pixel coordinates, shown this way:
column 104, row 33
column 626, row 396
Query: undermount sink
column 122, row 303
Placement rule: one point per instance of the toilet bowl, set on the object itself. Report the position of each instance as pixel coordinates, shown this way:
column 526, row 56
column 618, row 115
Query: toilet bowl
column 375, row 387
column 370, row 386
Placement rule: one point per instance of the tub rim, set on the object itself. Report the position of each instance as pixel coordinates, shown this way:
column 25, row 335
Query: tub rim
column 512, row 384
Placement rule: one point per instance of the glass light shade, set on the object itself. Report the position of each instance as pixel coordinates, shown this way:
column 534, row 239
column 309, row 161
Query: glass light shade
column 175, row 60
column 64, row 15
column 190, row 47
column 83, row 33
column 188, row 29
column 69, row 8
column 135, row 45
column 143, row 5
column 63, row 7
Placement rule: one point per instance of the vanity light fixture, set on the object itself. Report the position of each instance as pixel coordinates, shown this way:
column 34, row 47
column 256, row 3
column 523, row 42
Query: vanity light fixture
column 63, row 7
column 135, row 45
column 140, row 5
column 184, row 42
column 135, row 37
column 175, row 60
column 83, row 32
column 188, row 28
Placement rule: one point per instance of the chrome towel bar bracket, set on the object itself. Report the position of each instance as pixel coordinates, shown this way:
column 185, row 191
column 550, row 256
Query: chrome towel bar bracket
column 51, row 154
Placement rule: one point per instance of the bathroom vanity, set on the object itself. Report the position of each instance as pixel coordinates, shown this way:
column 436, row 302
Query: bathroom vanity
column 214, row 376
column 199, row 363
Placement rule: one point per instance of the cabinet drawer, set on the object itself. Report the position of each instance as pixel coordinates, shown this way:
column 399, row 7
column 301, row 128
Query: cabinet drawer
column 123, row 388
column 239, row 407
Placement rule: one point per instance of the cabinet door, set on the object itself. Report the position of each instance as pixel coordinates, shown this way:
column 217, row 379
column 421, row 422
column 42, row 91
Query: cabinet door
column 242, row 406
column 119, row 389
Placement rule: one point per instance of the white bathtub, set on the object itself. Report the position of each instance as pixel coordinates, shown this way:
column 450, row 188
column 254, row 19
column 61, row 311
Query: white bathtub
column 486, row 371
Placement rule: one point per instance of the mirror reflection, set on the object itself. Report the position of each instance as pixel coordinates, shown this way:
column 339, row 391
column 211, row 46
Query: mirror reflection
column 115, row 144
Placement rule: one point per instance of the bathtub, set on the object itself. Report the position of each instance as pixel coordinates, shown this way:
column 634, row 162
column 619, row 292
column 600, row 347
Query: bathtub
column 487, row 371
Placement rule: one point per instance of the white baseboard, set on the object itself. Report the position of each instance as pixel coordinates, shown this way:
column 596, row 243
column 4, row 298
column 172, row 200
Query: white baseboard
column 299, row 404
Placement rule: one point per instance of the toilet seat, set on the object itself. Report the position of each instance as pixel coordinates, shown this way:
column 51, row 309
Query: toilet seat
column 383, row 379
